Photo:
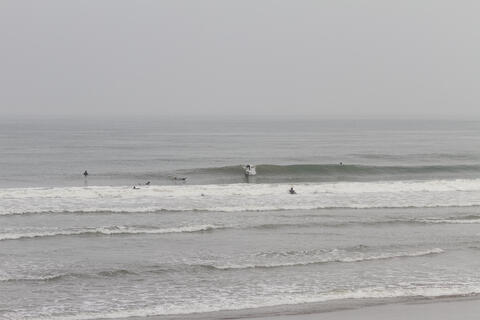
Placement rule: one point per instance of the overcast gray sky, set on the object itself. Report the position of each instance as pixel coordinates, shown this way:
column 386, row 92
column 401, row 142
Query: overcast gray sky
column 324, row 58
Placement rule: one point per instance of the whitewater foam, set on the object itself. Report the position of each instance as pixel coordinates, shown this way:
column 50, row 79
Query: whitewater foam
column 241, row 197
column 335, row 255
column 361, row 293
column 109, row 230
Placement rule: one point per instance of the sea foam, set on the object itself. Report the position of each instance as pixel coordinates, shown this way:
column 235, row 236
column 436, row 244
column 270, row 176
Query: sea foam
column 241, row 197
column 108, row 230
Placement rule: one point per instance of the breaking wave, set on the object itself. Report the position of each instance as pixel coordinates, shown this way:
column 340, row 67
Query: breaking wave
column 272, row 260
column 111, row 230
column 372, row 292
column 332, row 256
column 470, row 219
column 242, row 197
column 63, row 276
column 337, row 170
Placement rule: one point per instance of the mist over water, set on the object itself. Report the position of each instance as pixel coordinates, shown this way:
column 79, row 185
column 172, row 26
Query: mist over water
column 398, row 218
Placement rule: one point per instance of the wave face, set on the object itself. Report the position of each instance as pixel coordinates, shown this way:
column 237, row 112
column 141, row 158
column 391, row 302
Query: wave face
column 242, row 197
column 330, row 169
column 337, row 172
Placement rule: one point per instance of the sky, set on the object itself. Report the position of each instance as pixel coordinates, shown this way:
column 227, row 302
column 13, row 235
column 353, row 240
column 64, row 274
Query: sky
column 329, row 58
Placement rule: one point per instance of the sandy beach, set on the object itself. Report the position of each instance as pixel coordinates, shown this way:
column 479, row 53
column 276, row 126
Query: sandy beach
column 447, row 308
column 465, row 309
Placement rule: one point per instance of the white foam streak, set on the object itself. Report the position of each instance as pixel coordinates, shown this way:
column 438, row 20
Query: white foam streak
column 111, row 230
column 241, row 197
column 333, row 256
column 451, row 221
column 366, row 293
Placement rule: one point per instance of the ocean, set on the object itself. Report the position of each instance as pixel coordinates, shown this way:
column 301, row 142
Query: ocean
column 384, row 209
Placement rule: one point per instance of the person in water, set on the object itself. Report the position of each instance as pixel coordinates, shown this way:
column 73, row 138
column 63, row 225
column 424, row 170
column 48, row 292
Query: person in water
column 85, row 174
column 292, row 191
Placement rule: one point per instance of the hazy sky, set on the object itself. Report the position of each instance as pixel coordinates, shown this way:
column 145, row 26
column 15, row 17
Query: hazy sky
column 324, row 58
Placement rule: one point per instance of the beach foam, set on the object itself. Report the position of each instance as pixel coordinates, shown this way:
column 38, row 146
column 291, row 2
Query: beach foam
column 366, row 293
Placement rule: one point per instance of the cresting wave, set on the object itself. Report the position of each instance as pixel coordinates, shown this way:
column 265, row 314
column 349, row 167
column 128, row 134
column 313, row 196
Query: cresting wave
column 133, row 230
column 332, row 256
column 292, row 259
column 242, row 197
column 129, row 230
column 110, row 230
column 39, row 233
column 470, row 219
column 336, row 170
column 62, row 276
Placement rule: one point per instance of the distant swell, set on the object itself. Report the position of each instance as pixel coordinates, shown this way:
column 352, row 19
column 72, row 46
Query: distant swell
column 111, row 230
column 336, row 169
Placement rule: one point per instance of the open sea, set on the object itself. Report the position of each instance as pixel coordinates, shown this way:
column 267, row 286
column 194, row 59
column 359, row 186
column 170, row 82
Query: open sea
column 400, row 219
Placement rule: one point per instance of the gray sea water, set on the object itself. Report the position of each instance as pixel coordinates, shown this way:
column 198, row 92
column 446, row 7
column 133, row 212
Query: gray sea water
column 400, row 217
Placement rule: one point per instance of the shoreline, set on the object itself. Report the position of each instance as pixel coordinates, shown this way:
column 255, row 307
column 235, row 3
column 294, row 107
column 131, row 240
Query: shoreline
column 443, row 309
column 434, row 308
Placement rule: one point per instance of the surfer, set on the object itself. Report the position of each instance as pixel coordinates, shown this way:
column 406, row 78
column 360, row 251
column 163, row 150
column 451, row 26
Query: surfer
column 292, row 191
column 85, row 174
column 249, row 170
column 181, row 179
column 341, row 163
column 135, row 187
column 147, row 183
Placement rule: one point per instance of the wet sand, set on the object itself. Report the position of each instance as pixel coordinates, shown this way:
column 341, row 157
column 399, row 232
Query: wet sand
column 465, row 309
column 447, row 308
